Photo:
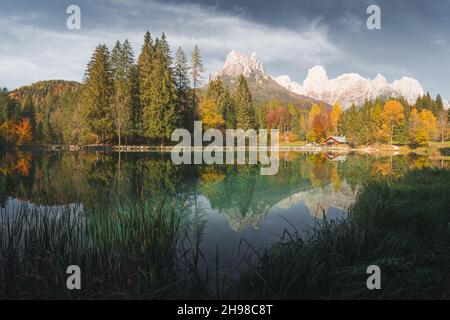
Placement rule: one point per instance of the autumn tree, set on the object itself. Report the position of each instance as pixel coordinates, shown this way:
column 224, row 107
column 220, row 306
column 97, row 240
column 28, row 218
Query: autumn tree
column 442, row 125
column 24, row 131
column 335, row 115
column 210, row 115
column 319, row 122
column 392, row 115
column 423, row 126
column 379, row 134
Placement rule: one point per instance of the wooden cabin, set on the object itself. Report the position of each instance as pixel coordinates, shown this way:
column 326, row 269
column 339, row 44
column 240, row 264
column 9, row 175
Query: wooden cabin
column 334, row 141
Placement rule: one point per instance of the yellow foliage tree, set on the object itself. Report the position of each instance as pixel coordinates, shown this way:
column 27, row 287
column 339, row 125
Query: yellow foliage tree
column 392, row 116
column 423, row 126
column 335, row 115
column 8, row 132
column 210, row 116
column 379, row 133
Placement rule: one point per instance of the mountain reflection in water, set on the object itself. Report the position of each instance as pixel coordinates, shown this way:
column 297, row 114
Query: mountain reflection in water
column 226, row 203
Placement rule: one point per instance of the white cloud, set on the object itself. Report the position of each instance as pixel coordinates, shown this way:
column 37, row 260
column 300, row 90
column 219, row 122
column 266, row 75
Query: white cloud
column 30, row 53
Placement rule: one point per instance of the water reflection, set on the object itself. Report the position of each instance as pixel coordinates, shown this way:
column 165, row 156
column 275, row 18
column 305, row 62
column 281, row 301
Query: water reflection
column 226, row 203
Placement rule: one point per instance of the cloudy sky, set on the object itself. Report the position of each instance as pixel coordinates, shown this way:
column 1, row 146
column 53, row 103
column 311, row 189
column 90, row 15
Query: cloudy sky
column 289, row 36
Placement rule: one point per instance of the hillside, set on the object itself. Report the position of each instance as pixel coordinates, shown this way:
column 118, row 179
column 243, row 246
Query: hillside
column 51, row 104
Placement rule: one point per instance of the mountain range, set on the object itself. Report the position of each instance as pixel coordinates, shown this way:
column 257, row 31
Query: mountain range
column 347, row 89
column 262, row 86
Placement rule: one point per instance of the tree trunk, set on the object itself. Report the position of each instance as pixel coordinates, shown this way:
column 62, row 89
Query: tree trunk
column 392, row 132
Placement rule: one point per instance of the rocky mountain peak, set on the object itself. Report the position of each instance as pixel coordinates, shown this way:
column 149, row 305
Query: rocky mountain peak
column 238, row 63
column 351, row 88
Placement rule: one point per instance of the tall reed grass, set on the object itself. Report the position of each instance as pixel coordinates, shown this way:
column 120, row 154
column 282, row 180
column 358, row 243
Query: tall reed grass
column 402, row 225
column 129, row 251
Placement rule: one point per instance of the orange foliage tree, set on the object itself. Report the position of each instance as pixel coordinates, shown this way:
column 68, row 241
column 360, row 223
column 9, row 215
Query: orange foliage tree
column 24, row 132
column 392, row 116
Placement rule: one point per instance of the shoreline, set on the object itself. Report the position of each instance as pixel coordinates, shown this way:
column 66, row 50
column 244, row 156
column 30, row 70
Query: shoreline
column 395, row 150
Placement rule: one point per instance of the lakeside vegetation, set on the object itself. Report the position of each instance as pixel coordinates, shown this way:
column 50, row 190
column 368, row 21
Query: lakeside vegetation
column 400, row 224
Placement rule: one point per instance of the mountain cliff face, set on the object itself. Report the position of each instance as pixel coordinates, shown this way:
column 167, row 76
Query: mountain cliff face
column 261, row 85
column 347, row 89
column 351, row 88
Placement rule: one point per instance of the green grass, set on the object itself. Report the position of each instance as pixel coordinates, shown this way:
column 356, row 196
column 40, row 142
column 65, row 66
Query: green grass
column 292, row 144
column 126, row 252
column 401, row 225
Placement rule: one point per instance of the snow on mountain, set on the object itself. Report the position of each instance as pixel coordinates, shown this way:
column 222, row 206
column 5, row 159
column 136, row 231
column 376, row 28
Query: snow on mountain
column 346, row 89
column 446, row 104
column 351, row 88
column 238, row 63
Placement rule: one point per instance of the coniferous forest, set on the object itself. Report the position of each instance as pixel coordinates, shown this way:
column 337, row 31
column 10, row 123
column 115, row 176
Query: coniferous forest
column 126, row 99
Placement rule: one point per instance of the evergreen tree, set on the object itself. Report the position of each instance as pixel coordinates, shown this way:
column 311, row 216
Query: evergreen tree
column 124, row 99
column 438, row 106
column 97, row 92
column 182, row 87
column 145, row 67
column 160, row 117
column 246, row 118
column 196, row 72
column 224, row 102
column 351, row 125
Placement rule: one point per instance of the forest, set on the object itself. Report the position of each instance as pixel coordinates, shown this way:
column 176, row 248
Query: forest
column 124, row 100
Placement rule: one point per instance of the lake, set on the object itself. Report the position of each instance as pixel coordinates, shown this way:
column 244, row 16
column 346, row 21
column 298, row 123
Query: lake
column 229, row 210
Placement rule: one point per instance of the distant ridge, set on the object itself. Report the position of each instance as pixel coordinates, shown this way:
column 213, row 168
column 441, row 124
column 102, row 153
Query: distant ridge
column 351, row 88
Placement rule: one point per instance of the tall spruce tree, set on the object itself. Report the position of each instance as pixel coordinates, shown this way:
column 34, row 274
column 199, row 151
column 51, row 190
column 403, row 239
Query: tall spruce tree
column 246, row 118
column 124, row 98
column 196, row 73
column 182, row 87
column 160, row 117
column 224, row 102
column 145, row 67
column 96, row 95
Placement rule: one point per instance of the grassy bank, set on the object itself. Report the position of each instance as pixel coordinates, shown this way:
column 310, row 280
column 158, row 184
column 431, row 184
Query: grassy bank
column 403, row 226
column 127, row 252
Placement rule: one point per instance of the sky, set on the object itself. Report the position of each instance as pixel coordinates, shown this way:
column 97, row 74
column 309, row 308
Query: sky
column 288, row 36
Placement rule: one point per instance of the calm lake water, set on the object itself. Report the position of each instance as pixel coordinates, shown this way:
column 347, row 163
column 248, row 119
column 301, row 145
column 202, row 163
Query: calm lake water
column 231, row 209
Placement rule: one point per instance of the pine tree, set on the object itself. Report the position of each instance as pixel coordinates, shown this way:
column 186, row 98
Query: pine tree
column 97, row 92
column 160, row 117
column 182, row 87
column 145, row 67
column 196, row 72
column 224, row 102
column 124, row 99
column 439, row 106
column 246, row 118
